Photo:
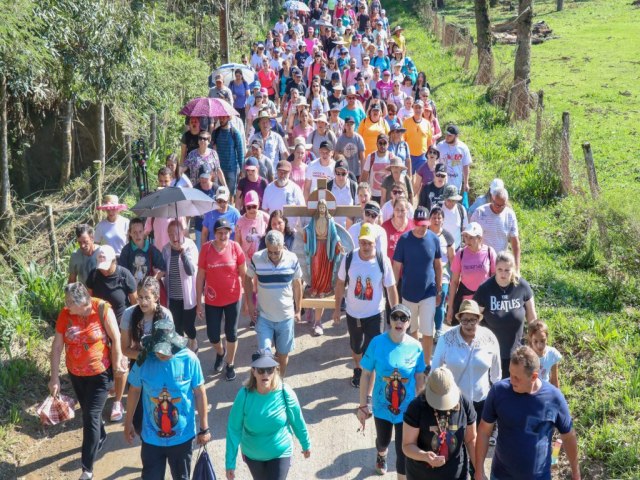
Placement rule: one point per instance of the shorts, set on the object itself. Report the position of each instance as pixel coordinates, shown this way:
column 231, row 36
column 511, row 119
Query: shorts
column 282, row 332
column 417, row 161
column 422, row 315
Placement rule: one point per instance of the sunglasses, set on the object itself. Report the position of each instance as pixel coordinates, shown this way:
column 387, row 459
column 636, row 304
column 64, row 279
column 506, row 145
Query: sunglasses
column 268, row 370
column 383, row 143
column 397, row 192
column 441, row 175
column 371, row 214
column 344, row 174
column 350, row 97
column 220, row 200
column 203, row 139
column 400, row 318
column 251, row 207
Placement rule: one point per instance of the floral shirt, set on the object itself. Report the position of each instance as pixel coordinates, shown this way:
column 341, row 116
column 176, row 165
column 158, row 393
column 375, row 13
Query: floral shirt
column 194, row 161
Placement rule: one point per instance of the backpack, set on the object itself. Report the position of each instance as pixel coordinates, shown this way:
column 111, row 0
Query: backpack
column 353, row 188
column 349, row 258
column 461, row 212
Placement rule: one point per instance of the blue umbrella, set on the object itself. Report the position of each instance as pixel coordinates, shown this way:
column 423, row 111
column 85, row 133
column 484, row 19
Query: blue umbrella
column 174, row 202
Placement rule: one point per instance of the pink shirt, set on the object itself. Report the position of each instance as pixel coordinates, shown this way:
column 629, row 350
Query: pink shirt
column 249, row 231
column 222, row 283
column 297, row 174
column 475, row 267
column 393, row 235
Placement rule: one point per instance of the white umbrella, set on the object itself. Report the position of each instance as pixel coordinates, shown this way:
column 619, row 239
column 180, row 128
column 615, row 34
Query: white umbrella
column 296, row 5
column 228, row 72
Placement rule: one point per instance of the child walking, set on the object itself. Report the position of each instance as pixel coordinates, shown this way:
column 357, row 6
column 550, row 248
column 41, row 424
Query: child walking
column 549, row 357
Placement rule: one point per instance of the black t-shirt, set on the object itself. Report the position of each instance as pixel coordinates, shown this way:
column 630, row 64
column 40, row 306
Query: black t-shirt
column 291, row 84
column 504, row 312
column 333, row 100
column 190, row 140
column 301, row 57
column 316, row 13
column 137, row 261
column 363, row 20
column 430, row 196
column 421, row 415
column 115, row 288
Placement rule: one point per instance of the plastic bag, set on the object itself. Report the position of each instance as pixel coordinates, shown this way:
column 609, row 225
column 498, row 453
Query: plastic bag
column 57, row 409
column 204, row 467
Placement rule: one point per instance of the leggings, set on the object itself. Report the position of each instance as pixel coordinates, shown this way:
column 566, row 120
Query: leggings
column 155, row 459
column 384, row 429
column 442, row 307
column 275, row 469
column 362, row 331
column 213, row 316
column 92, row 394
column 184, row 320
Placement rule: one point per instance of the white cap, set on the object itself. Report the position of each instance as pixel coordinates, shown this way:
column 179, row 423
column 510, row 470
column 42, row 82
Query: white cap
column 105, row 255
column 222, row 193
column 473, row 229
column 496, row 185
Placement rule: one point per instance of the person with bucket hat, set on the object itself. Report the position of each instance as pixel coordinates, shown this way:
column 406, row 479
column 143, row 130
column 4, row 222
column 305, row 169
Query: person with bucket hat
column 397, row 174
column 398, row 363
column 264, row 417
column 273, row 144
column 113, row 230
column 167, row 378
column 321, row 133
column 439, row 433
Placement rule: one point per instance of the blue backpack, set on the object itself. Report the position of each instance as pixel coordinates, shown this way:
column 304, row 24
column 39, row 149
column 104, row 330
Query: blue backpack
column 204, row 467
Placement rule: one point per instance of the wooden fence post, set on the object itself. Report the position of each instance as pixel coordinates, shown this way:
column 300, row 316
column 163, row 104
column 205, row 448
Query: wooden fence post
column 435, row 23
column 53, row 242
column 468, row 53
column 96, row 189
column 154, row 131
column 130, row 172
column 559, row 5
column 539, row 114
column 595, row 193
column 444, row 32
column 565, row 154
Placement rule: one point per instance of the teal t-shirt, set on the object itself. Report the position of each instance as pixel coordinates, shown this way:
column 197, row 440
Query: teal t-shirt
column 396, row 365
column 261, row 425
column 167, row 397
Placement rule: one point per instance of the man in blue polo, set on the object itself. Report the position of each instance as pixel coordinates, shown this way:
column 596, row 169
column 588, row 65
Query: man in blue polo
column 279, row 296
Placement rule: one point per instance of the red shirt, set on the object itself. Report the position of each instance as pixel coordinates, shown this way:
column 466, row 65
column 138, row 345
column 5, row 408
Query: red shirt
column 266, row 80
column 394, row 235
column 222, row 283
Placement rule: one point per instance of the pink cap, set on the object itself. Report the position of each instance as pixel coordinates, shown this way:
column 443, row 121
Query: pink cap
column 251, row 198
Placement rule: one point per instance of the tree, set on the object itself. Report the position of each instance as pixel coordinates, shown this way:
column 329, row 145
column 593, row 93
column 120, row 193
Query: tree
column 520, row 100
column 485, row 53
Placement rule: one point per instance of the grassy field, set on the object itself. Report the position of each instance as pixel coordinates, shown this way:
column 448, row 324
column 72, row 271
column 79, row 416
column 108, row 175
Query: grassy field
column 592, row 312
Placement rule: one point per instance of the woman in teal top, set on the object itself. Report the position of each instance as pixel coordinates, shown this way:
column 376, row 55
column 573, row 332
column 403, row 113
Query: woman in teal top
column 263, row 416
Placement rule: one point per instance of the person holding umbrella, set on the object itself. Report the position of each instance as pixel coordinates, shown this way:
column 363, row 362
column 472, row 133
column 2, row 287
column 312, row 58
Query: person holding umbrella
column 221, row 272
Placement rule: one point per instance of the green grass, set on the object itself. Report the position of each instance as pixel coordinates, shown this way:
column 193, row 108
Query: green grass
column 589, row 299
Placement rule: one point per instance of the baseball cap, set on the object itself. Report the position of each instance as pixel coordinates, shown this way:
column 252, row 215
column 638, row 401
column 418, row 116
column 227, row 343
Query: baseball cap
column 451, row 193
column 251, row 162
column 326, row 144
column 251, row 198
column 421, row 216
column 341, row 164
column 222, row 223
column 400, row 308
column 441, row 168
column 283, row 165
column 204, row 171
column 257, row 142
column 351, row 90
column 222, row 193
column 263, row 359
column 349, row 120
column 453, row 130
column 366, row 233
column 105, row 254
column 375, row 106
column 418, row 103
column 473, row 229
column 335, row 76
column 373, row 207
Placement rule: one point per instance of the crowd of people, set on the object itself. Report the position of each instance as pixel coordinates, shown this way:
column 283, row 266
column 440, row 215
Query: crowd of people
column 437, row 312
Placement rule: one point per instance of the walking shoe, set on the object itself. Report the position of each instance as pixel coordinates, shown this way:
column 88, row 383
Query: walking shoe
column 252, row 324
column 437, row 335
column 381, row 464
column 116, row 412
column 101, row 442
column 355, row 380
column 231, row 373
column 318, row 330
column 86, row 475
column 219, row 361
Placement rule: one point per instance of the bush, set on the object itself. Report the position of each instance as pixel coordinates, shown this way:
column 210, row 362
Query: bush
column 44, row 291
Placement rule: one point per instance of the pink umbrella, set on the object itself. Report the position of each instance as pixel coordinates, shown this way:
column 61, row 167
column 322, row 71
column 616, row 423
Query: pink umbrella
column 208, row 107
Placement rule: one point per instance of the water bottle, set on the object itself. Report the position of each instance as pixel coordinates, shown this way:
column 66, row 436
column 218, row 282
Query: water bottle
column 555, row 451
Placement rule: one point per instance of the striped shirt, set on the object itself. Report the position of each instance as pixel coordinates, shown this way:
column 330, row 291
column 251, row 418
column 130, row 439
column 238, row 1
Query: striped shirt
column 275, row 290
column 497, row 229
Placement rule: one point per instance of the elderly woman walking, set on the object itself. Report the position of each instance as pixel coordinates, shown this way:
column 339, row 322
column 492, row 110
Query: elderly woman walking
column 88, row 331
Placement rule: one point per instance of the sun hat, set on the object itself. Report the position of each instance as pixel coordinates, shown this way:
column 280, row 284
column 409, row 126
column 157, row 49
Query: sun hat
column 263, row 359
column 163, row 340
column 251, row 198
column 264, row 113
column 396, row 162
column 366, row 233
column 451, row 193
column 222, row 193
column 473, row 229
column 111, row 202
column 469, row 306
column 105, row 255
column 321, row 118
column 441, row 391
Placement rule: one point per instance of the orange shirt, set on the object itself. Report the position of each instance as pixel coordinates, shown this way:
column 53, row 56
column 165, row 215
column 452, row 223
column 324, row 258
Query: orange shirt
column 418, row 136
column 370, row 131
column 85, row 341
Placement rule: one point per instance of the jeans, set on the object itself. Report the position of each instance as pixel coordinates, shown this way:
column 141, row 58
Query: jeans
column 441, row 309
column 92, row 393
column 155, row 459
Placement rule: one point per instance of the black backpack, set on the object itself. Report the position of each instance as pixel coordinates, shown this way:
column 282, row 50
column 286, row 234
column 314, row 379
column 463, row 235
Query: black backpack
column 379, row 259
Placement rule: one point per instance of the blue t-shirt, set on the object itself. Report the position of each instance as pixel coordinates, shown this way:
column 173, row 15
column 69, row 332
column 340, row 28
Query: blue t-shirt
column 197, row 225
column 357, row 114
column 167, row 397
column 232, row 215
column 417, row 255
column 525, row 423
column 396, row 365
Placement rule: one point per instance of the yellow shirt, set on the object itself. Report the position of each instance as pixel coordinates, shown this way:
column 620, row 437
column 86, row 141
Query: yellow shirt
column 400, row 41
column 370, row 131
column 418, row 136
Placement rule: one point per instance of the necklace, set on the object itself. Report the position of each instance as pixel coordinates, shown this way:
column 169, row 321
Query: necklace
column 441, row 424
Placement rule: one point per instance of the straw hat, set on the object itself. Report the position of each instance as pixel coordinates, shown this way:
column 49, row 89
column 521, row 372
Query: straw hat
column 441, row 390
column 111, row 202
column 469, row 306
column 396, row 162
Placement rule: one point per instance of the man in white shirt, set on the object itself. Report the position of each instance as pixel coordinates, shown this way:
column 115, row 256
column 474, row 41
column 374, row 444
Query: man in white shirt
column 455, row 215
column 499, row 224
column 370, row 215
column 456, row 156
column 364, row 279
column 343, row 188
column 282, row 191
column 281, row 26
column 323, row 167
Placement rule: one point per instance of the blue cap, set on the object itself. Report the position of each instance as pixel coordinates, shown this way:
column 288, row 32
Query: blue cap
column 251, row 162
column 255, row 84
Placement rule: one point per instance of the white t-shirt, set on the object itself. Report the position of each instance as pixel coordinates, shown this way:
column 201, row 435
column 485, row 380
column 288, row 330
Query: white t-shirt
column 455, row 157
column 452, row 223
column 497, row 229
column 387, row 211
column 343, row 197
column 364, row 293
column 549, row 359
column 275, row 198
column 113, row 234
column 378, row 232
column 316, row 170
column 404, row 113
column 377, row 172
column 125, row 323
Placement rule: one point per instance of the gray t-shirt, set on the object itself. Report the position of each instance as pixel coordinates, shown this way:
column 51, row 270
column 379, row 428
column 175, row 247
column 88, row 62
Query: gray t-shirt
column 82, row 265
column 351, row 148
column 125, row 323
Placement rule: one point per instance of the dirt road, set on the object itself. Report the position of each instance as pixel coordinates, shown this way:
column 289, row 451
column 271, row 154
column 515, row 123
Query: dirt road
column 319, row 371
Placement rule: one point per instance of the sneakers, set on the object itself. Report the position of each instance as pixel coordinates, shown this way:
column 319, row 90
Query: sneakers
column 116, row 412
column 318, row 331
column 381, row 464
column 355, row 380
column 230, row 373
column 219, row 361
column 86, row 475
column 437, row 335
column 252, row 324
column 101, row 442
